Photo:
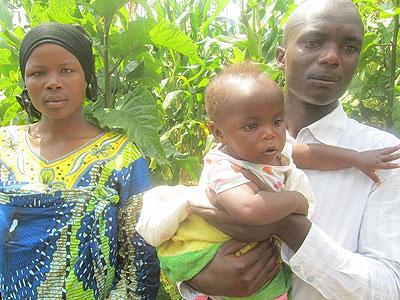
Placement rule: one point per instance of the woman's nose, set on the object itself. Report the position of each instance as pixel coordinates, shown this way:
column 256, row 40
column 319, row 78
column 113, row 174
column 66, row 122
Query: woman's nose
column 53, row 82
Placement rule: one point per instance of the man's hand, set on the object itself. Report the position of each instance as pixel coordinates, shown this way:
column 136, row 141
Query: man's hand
column 238, row 276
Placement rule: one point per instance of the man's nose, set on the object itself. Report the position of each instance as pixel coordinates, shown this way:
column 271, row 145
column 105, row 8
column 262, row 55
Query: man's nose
column 330, row 55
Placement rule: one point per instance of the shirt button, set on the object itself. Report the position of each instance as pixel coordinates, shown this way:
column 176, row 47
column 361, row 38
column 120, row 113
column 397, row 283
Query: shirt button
column 310, row 278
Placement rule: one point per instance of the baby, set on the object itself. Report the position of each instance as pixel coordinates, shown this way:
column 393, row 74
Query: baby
column 246, row 112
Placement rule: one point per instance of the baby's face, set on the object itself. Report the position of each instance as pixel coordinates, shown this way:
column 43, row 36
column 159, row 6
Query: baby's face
column 253, row 123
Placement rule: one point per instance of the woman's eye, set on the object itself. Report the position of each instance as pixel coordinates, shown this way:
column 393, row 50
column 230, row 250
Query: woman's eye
column 249, row 127
column 35, row 74
column 66, row 70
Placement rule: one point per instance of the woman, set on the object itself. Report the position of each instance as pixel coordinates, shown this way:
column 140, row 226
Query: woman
column 70, row 193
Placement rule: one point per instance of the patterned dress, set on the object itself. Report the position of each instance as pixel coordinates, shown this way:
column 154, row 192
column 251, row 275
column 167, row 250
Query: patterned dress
column 67, row 225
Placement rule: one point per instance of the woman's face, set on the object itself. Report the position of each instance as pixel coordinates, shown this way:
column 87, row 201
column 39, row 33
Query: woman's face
column 55, row 82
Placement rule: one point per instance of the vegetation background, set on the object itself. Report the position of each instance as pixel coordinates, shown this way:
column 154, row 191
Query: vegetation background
column 154, row 59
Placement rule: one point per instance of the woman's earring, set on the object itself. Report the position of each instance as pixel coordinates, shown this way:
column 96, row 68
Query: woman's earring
column 91, row 89
column 27, row 105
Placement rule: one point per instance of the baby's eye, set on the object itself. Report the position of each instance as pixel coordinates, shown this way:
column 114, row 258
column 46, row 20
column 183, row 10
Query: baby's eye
column 278, row 122
column 250, row 127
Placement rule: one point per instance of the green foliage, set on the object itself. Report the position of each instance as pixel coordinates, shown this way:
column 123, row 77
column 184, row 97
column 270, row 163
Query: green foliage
column 374, row 95
column 154, row 62
column 135, row 107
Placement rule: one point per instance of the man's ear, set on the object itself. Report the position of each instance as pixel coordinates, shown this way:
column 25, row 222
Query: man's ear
column 280, row 54
column 216, row 131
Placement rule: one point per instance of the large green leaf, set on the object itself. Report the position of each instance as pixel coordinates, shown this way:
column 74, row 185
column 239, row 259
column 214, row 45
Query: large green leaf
column 169, row 35
column 5, row 55
column 128, row 42
column 5, row 14
column 136, row 114
column 107, row 8
column 52, row 10
column 133, row 70
column 62, row 11
column 10, row 111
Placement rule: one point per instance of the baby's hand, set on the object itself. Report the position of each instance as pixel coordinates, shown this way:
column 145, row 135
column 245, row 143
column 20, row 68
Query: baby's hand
column 302, row 204
column 372, row 160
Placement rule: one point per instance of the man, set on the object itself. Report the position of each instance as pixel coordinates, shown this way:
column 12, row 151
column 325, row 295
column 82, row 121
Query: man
column 351, row 247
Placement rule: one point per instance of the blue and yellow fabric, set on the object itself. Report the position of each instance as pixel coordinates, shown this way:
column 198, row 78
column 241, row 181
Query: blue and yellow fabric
column 67, row 225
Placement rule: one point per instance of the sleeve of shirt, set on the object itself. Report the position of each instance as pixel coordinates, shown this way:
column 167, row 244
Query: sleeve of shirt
column 373, row 272
column 225, row 175
column 188, row 293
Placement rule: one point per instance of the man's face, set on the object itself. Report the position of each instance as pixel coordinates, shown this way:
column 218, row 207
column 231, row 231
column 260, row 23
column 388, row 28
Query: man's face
column 321, row 57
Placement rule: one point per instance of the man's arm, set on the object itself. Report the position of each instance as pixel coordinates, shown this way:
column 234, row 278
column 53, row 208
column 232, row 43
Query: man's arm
column 371, row 273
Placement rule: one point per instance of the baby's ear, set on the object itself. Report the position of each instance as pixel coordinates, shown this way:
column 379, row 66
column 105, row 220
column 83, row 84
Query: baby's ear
column 216, row 131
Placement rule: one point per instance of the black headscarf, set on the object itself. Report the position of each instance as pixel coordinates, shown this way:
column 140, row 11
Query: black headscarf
column 73, row 38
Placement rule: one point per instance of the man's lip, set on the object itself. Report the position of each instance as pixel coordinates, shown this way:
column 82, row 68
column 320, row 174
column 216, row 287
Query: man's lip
column 323, row 81
column 327, row 78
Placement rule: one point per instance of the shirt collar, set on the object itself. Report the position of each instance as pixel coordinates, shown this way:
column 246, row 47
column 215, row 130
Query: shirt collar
column 328, row 129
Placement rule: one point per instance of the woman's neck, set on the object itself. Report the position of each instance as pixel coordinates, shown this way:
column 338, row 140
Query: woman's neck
column 300, row 114
column 51, row 129
column 53, row 139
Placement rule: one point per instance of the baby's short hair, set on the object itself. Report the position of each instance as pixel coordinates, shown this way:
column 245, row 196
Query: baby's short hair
column 216, row 94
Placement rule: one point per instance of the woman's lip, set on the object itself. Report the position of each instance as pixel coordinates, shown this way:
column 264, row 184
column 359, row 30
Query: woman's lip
column 55, row 103
column 55, row 100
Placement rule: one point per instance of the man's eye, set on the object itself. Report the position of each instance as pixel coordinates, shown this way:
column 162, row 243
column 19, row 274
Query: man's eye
column 312, row 44
column 249, row 127
column 350, row 49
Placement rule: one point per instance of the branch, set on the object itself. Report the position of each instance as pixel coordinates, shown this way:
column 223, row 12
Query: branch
column 107, row 75
column 393, row 65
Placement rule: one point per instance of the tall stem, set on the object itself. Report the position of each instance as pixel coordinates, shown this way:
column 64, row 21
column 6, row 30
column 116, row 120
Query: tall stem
column 393, row 65
column 107, row 95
